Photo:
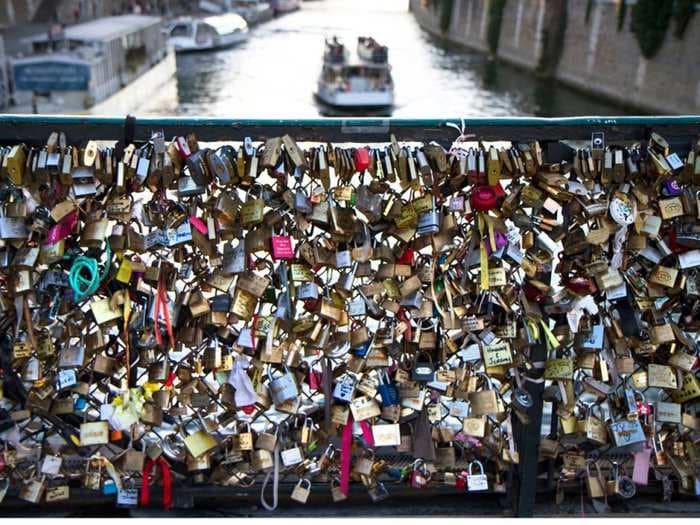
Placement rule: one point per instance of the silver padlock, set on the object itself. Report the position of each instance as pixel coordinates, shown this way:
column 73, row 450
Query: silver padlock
column 476, row 482
column 413, row 300
column 187, row 187
column 283, row 388
column 291, row 456
column 302, row 202
column 429, row 222
column 307, row 291
column 345, row 388
column 234, row 260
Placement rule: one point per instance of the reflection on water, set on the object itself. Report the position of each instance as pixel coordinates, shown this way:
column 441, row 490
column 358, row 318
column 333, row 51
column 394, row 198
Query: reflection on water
column 274, row 73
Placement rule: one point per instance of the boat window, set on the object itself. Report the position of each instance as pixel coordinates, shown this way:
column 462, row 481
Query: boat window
column 180, row 30
column 135, row 58
column 205, row 32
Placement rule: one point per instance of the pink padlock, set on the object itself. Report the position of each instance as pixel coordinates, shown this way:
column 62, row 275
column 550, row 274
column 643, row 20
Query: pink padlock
column 282, row 247
column 361, row 159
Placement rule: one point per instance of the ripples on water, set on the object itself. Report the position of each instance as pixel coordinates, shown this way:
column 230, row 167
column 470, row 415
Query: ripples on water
column 273, row 74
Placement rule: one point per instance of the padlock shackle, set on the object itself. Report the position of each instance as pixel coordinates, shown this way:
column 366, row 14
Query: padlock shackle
column 478, row 463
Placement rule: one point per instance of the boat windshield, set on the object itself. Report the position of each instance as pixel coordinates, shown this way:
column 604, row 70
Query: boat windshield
column 205, row 33
column 181, row 30
column 358, row 78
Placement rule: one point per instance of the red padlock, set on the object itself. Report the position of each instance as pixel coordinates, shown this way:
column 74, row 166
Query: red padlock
column 406, row 257
column 533, row 293
column 483, row 198
column 581, row 286
column 361, row 159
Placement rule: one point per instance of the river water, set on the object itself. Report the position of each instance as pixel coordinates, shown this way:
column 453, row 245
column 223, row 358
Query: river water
column 274, row 73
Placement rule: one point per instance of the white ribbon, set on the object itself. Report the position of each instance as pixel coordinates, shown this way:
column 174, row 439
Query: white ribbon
column 618, row 241
column 275, row 473
column 240, row 380
column 462, row 137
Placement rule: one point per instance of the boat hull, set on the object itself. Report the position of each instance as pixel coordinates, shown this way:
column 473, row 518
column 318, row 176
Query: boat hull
column 221, row 43
column 356, row 99
column 153, row 88
column 255, row 15
column 286, row 6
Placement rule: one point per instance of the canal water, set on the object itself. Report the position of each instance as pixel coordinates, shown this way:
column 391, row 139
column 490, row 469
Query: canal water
column 274, row 73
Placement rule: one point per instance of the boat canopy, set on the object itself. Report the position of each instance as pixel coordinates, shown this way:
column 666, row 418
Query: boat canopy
column 226, row 24
column 103, row 29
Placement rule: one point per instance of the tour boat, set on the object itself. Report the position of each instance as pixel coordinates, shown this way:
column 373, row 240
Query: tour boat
column 285, row 6
column 205, row 34
column 369, row 50
column 108, row 65
column 254, row 11
column 361, row 81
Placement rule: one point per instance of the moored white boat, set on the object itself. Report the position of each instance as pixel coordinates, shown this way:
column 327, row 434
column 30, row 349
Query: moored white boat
column 285, row 6
column 205, row 34
column 110, row 64
column 348, row 81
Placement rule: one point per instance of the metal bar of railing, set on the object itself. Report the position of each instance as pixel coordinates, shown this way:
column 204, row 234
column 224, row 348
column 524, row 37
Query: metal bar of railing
column 35, row 128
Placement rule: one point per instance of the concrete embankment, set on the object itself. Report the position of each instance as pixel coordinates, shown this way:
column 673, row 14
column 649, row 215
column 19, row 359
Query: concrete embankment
column 581, row 45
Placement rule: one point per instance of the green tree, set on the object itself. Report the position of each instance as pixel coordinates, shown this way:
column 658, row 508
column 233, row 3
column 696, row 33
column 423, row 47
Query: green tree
column 650, row 20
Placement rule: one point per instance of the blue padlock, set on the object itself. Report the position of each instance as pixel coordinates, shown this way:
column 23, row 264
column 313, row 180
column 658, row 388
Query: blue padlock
column 109, row 487
column 388, row 391
column 363, row 349
column 670, row 188
column 80, row 403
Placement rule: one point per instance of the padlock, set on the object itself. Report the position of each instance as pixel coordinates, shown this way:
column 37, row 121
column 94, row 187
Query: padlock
column 344, row 390
column 266, row 441
column 388, row 390
column 419, row 477
column 423, row 369
column 262, row 460
column 301, row 491
column 336, row 492
column 429, row 222
column 364, row 464
column 283, row 388
column 479, row 481
column 484, row 402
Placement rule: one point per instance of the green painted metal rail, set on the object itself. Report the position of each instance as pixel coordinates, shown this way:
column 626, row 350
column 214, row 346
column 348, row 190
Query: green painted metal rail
column 35, row 128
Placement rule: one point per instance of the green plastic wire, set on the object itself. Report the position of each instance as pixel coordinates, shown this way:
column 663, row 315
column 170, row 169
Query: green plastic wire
column 86, row 286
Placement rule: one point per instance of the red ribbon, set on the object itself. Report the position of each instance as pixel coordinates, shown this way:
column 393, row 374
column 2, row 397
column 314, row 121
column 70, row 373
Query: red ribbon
column 367, row 433
column 162, row 303
column 408, row 334
column 346, row 456
column 167, row 482
column 313, row 380
column 171, row 380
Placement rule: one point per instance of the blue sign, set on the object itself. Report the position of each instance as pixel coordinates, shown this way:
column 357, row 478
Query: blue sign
column 51, row 75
